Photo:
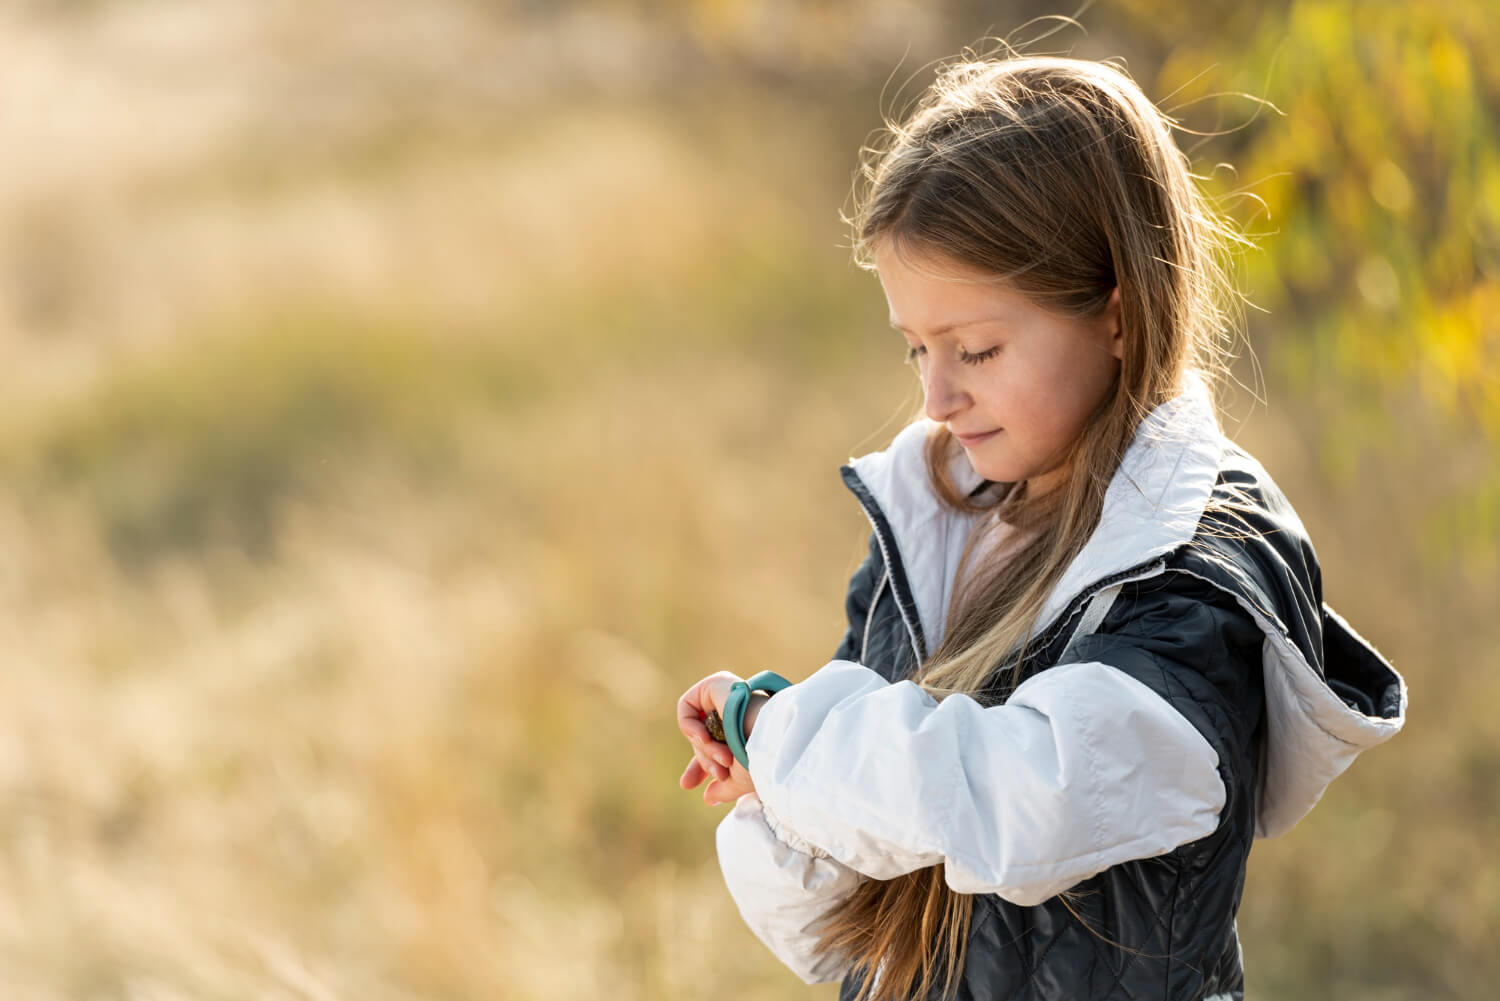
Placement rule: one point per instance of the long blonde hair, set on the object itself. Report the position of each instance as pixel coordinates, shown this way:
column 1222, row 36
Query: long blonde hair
column 1059, row 178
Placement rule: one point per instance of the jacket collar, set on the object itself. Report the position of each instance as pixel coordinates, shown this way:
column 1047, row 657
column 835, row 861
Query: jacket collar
column 1151, row 507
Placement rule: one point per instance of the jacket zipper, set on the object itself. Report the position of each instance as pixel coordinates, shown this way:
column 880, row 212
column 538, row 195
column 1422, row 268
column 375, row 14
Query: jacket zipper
column 864, row 646
column 899, row 586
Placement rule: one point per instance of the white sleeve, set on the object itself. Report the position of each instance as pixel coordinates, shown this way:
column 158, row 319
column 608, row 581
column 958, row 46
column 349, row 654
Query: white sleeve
column 1082, row 768
column 782, row 886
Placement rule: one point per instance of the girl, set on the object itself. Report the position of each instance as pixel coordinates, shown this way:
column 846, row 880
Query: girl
column 1088, row 659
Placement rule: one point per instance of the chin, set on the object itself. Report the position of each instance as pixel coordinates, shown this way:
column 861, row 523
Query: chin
column 996, row 473
column 1002, row 472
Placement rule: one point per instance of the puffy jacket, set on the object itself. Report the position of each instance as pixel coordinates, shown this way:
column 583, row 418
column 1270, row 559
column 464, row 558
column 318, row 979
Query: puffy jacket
column 1189, row 692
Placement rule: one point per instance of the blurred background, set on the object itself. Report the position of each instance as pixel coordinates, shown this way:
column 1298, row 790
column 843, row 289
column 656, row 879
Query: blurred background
column 402, row 403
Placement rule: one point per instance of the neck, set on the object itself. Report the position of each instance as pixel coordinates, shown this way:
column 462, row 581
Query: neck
column 1053, row 479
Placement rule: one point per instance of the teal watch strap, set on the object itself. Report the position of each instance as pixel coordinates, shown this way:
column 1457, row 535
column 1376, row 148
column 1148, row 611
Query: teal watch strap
column 738, row 702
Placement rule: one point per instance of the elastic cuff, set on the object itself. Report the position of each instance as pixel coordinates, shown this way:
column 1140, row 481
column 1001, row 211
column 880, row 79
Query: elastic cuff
column 789, row 837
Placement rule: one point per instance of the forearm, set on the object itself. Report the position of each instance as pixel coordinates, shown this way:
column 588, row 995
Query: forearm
column 1084, row 767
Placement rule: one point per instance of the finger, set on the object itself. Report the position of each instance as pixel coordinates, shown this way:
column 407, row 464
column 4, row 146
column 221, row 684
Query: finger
column 708, row 693
column 720, row 753
column 709, row 750
column 728, row 791
column 709, row 762
column 693, row 775
column 690, row 714
column 723, row 791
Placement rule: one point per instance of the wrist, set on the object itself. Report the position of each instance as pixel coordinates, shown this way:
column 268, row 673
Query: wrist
column 752, row 710
column 738, row 705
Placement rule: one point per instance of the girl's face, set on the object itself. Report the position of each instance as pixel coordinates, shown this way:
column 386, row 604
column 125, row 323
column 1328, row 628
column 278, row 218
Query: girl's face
column 1014, row 382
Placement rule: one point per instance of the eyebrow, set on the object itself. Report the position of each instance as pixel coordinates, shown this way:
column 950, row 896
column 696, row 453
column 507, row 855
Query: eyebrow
column 946, row 328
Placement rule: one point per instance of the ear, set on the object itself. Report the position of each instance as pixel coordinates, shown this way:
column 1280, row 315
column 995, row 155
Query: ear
column 1112, row 325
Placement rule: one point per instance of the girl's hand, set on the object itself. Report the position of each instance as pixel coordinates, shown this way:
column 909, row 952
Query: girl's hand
column 720, row 790
column 712, row 759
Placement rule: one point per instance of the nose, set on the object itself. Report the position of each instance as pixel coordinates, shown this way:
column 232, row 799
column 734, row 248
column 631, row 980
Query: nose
column 944, row 397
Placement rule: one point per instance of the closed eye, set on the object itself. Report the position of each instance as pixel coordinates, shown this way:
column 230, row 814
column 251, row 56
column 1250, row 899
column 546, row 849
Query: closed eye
column 975, row 359
column 981, row 357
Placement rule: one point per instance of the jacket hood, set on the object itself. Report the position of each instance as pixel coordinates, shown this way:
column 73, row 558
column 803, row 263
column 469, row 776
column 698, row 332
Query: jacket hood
column 1329, row 693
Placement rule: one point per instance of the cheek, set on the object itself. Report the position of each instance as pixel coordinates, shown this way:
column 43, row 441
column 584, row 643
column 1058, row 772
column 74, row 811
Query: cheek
column 1051, row 402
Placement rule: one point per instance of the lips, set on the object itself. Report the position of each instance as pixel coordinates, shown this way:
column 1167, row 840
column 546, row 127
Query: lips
column 968, row 440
